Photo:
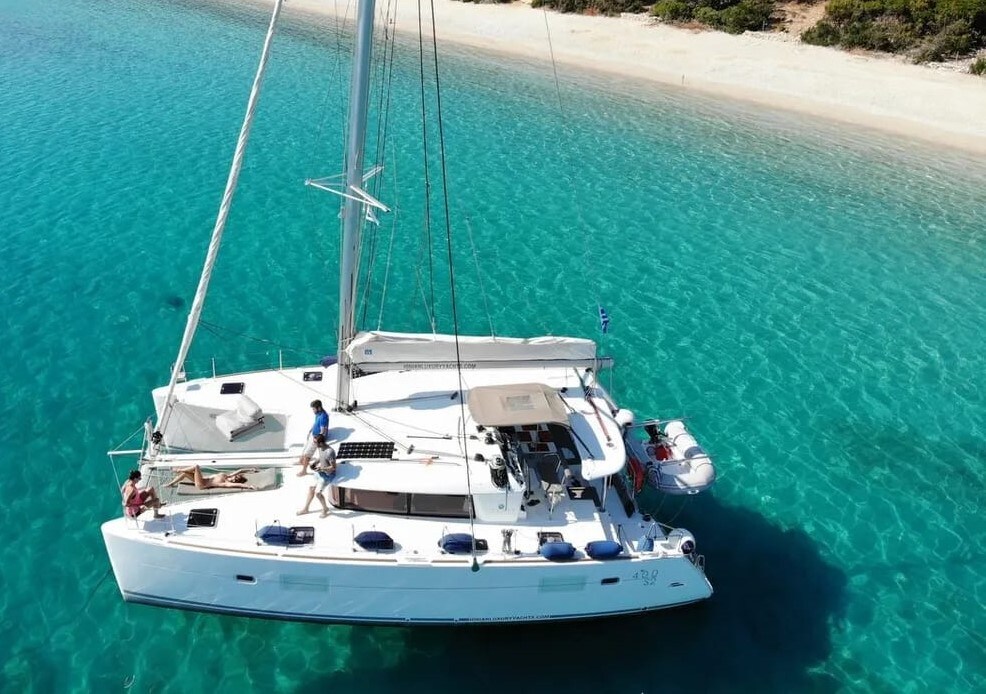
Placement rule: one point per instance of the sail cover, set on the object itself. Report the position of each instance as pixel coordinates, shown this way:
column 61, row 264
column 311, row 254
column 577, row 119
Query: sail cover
column 382, row 351
column 516, row 405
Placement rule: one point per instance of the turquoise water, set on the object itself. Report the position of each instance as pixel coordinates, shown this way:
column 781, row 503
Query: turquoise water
column 812, row 296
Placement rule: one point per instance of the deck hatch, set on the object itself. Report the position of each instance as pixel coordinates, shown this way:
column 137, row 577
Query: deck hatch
column 202, row 518
column 231, row 388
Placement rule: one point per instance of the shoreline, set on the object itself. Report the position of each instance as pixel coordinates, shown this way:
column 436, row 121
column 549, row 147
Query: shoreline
column 935, row 106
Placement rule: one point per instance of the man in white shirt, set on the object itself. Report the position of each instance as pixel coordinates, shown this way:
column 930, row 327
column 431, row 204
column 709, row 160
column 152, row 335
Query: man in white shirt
column 323, row 463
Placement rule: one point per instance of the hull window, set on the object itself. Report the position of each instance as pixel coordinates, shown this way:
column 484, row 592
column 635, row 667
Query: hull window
column 432, row 505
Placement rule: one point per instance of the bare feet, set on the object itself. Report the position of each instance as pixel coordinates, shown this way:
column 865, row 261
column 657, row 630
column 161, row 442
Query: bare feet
column 302, row 473
column 324, row 514
column 303, row 512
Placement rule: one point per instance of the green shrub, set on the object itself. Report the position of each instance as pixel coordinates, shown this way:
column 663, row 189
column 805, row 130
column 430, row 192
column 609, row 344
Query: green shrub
column 714, row 4
column 892, row 34
column 608, row 7
column 708, row 16
column 939, row 28
column 951, row 42
column 747, row 15
column 978, row 66
column 825, row 33
column 971, row 11
column 672, row 10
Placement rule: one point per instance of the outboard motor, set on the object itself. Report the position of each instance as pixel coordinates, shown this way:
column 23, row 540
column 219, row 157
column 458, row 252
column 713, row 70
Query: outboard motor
column 683, row 540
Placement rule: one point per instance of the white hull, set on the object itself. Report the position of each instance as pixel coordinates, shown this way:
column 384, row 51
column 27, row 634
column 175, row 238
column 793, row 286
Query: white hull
column 375, row 589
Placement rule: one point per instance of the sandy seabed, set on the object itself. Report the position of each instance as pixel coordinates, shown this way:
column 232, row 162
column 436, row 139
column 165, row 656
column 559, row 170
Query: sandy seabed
column 771, row 69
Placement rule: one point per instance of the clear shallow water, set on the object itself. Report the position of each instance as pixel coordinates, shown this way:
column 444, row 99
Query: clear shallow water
column 812, row 296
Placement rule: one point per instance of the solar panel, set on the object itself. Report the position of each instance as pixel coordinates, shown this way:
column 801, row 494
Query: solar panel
column 366, row 449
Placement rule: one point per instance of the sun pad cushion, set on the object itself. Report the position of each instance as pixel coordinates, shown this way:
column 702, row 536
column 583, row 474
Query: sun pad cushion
column 265, row 479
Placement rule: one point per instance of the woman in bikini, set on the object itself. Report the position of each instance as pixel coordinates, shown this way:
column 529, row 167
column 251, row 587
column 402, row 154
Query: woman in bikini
column 136, row 501
column 227, row 480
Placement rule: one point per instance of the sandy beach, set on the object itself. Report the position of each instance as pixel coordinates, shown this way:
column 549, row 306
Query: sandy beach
column 771, row 69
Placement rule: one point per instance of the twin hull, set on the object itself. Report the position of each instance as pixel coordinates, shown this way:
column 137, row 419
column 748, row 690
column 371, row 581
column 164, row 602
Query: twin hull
column 379, row 590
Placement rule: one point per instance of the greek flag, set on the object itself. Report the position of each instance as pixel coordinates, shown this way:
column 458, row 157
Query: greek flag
column 603, row 320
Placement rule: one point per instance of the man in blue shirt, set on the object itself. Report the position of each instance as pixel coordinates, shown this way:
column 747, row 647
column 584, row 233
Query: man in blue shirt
column 320, row 427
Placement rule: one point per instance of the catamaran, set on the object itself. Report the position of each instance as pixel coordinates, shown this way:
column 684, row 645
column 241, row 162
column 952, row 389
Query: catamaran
column 479, row 479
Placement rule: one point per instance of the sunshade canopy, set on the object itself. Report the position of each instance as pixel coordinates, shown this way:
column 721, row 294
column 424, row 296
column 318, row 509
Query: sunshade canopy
column 516, row 405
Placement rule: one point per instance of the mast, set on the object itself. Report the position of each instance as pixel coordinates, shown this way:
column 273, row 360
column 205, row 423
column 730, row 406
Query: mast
column 217, row 232
column 353, row 210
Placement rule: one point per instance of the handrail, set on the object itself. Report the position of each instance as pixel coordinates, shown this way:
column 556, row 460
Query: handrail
column 647, row 422
column 248, row 362
column 176, row 460
column 704, row 456
column 133, row 451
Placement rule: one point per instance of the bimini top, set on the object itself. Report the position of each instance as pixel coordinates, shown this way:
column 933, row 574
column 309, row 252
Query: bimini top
column 516, row 405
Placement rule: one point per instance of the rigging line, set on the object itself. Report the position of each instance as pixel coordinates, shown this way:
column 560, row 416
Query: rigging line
column 342, row 49
column 364, row 299
column 304, row 384
column 222, row 331
column 479, row 277
column 567, row 163
column 419, row 288
column 427, row 178
column 451, row 276
column 143, row 443
column 373, row 185
column 386, row 85
column 680, row 509
column 132, row 435
column 371, row 413
column 336, row 77
column 212, row 254
column 396, row 206
column 340, row 21
column 390, row 249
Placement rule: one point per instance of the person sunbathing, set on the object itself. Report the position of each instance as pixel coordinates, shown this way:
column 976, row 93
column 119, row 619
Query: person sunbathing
column 225, row 480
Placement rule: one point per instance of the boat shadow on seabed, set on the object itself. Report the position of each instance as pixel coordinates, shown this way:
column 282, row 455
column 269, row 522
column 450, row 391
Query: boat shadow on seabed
column 765, row 628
